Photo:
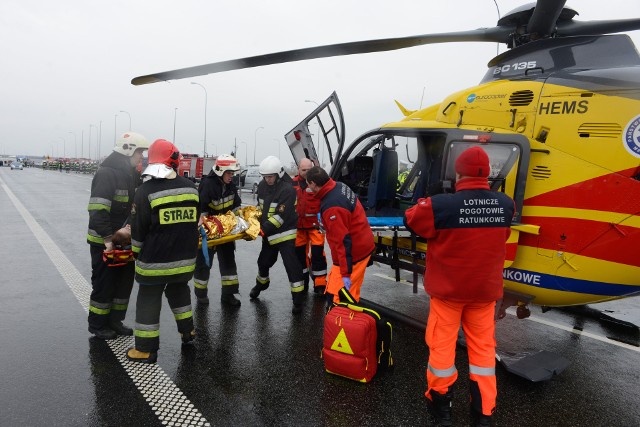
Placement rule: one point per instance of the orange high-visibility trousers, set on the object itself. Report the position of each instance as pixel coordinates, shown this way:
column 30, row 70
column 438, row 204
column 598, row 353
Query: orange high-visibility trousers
column 478, row 324
column 335, row 283
column 310, row 251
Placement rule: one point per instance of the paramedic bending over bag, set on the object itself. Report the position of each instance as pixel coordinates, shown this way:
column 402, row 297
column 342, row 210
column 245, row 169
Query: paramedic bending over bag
column 465, row 257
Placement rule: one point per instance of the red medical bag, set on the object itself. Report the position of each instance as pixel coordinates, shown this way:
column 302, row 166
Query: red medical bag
column 349, row 348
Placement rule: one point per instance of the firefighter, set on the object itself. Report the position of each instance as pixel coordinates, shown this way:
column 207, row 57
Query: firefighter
column 219, row 195
column 164, row 237
column 466, row 233
column 308, row 237
column 276, row 200
column 348, row 233
column 112, row 191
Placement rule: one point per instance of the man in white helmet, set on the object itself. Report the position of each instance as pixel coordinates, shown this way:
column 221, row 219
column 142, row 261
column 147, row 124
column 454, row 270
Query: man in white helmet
column 277, row 200
column 112, row 191
column 219, row 195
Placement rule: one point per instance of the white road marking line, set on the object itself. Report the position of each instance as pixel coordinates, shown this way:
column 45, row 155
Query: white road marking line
column 165, row 398
column 393, row 279
column 512, row 311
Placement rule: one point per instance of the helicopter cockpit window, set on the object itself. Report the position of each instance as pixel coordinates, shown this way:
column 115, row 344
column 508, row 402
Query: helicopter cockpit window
column 502, row 158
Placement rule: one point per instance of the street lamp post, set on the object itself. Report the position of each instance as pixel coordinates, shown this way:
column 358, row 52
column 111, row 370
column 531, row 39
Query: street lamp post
column 64, row 147
column 75, row 143
column 255, row 142
column 127, row 113
column 278, row 142
column 115, row 129
column 99, row 148
column 89, row 149
column 204, row 151
column 175, row 114
column 245, row 153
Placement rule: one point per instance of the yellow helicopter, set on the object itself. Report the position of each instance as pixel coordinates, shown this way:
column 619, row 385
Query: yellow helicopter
column 559, row 115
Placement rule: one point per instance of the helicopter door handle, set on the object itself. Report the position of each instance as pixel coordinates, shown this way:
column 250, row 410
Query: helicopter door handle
column 565, row 259
column 513, row 116
column 444, row 112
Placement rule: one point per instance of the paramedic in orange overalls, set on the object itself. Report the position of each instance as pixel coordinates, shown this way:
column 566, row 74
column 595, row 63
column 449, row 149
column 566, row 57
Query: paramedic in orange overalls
column 466, row 234
column 348, row 233
column 308, row 237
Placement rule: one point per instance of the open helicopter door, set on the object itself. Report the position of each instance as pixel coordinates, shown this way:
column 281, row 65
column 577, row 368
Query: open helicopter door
column 325, row 145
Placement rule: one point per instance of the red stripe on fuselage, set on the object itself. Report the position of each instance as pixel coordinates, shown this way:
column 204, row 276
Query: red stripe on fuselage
column 586, row 238
column 615, row 192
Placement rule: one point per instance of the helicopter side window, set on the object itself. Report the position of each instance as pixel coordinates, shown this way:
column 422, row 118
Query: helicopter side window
column 502, row 158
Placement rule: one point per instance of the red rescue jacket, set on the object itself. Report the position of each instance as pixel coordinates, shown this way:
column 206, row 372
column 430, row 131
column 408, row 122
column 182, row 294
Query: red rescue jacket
column 348, row 232
column 466, row 236
column 308, row 205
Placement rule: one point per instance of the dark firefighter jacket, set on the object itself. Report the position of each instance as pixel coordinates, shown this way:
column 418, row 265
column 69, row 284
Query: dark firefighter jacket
column 216, row 197
column 308, row 205
column 466, row 236
column 112, row 191
column 348, row 232
column 164, row 230
column 278, row 205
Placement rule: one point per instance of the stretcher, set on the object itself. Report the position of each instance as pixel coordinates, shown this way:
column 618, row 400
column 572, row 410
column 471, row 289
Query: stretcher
column 397, row 247
column 401, row 250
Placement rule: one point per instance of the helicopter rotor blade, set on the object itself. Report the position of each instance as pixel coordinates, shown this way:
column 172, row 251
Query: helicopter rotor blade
column 494, row 34
column 544, row 17
column 575, row 28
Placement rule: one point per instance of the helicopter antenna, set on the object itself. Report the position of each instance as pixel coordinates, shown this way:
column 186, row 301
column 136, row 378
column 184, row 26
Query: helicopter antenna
column 422, row 99
column 497, row 44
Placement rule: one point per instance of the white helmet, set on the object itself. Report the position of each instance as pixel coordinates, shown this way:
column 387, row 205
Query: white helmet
column 225, row 162
column 271, row 165
column 129, row 142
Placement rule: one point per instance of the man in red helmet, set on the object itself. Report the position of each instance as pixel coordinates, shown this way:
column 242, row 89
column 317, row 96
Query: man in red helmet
column 219, row 195
column 112, row 191
column 164, row 238
column 466, row 235
column 308, row 238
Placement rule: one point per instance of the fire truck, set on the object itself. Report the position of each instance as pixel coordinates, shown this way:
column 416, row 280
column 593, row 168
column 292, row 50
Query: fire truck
column 192, row 166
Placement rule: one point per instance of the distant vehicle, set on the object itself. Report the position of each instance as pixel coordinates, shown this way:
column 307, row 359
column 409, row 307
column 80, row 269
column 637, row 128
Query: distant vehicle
column 16, row 165
column 195, row 167
column 252, row 178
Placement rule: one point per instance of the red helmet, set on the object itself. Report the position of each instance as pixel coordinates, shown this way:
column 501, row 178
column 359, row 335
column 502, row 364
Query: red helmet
column 163, row 151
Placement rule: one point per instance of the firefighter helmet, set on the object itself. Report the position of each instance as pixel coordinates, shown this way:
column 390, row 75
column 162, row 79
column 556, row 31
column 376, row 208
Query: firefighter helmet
column 225, row 162
column 129, row 142
column 271, row 165
column 164, row 152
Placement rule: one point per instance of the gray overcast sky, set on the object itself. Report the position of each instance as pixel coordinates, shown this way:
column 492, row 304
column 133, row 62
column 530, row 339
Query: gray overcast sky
column 67, row 65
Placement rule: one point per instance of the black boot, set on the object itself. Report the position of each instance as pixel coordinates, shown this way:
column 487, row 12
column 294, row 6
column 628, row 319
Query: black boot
column 103, row 333
column 259, row 287
column 319, row 289
column 480, row 420
column 188, row 337
column 440, row 407
column 121, row 329
column 201, row 295
column 230, row 300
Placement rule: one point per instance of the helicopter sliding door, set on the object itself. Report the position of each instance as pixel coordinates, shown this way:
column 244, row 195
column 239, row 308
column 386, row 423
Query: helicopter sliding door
column 320, row 136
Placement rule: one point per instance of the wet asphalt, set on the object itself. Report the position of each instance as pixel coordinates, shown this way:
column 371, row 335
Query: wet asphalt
column 259, row 365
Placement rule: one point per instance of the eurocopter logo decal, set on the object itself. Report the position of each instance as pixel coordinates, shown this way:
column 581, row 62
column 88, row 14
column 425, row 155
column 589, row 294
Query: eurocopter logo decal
column 631, row 137
column 473, row 97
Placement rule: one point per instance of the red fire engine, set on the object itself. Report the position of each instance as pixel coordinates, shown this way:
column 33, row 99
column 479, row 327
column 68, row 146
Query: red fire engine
column 192, row 166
